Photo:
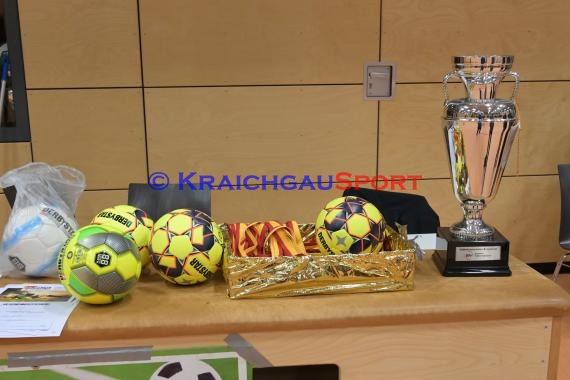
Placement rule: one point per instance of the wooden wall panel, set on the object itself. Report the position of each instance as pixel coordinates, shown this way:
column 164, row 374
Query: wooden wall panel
column 257, row 42
column 411, row 133
column 13, row 155
column 321, row 129
column 499, row 349
column 100, row 132
column 545, row 132
column 90, row 43
column 421, row 36
column 439, row 195
column 91, row 202
column 317, row 130
column 4, row 212
column 526, row 210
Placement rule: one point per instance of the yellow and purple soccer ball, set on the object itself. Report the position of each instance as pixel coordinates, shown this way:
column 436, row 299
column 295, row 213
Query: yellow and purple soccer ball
column 98, row 265
column 130, row 221
column 350, row 225
column 186, row 246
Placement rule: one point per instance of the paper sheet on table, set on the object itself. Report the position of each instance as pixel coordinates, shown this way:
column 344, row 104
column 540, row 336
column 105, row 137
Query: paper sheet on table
column 428, row 242
column 34, row 310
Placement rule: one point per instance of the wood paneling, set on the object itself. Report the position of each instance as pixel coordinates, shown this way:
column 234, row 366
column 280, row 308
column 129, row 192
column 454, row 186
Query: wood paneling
column 91, row 202
column 317, row 130
column 14, row 155
column 100, row 132
column 69, row 43
column 320, row 129
column 257, row 42
column 526, row 210
column 421, row 36
column 545, row 127
column 439, row 195
column 516, row 349
column 4, row 212
column 412, row 141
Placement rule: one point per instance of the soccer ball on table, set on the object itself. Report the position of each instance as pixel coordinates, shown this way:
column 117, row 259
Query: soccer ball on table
column 130, row 221
column 350, row 225
column 33, row 237
column 186, row 369
column 186, row 246
column 98, row 265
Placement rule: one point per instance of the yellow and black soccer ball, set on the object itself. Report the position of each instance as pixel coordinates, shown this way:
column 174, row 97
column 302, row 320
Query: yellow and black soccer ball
column 186, row 246
column 350, row 225
column 130, row 221
column 98, row 265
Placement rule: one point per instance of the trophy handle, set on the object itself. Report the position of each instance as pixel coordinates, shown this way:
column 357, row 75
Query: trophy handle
column 517, row 82
column 446, row 78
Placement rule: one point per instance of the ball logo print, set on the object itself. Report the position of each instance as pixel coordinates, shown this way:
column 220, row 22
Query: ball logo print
column 102, row 259
column 21, row 266
column 130, row 221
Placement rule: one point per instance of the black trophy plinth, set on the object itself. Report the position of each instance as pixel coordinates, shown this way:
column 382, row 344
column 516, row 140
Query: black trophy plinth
column 473, row 258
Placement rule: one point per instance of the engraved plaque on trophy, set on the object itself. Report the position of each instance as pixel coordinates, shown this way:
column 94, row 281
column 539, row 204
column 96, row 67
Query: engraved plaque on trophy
column 479, row 131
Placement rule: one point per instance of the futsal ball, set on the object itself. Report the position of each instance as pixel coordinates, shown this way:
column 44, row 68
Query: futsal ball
column 130, row 221
column 186, row 369
column 98, row 265
column 350, row 225
column 33, row 237
column 186, row 246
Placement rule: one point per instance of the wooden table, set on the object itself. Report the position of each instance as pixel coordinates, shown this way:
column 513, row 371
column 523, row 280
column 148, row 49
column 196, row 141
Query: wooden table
column 447, row 328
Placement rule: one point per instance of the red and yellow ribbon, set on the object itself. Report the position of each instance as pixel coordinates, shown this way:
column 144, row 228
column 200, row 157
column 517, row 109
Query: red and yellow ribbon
column 266, row 239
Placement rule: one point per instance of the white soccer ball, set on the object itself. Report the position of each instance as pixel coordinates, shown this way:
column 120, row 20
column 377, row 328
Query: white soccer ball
column 33, row 237
column 186, row 369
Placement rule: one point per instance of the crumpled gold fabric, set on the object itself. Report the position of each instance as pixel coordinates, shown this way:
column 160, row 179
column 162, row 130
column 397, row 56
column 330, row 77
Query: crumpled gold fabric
column 391, row 269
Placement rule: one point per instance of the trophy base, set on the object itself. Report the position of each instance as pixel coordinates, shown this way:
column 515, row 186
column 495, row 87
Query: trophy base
column 473, row 258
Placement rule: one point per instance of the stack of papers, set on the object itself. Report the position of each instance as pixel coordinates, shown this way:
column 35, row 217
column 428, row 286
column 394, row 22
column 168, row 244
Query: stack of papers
column 34, row 310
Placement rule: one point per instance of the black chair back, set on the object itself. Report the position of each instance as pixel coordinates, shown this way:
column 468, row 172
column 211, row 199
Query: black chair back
column 564, row 175
column 158, row 202
column 10, row 193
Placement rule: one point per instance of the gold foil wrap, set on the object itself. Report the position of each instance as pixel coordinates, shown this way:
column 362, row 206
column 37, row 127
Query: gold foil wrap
column 260, row 277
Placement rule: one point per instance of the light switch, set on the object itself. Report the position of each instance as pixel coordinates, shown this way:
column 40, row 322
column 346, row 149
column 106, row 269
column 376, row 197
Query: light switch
column 379, row 80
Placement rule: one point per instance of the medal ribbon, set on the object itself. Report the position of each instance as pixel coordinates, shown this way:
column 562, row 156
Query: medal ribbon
column 266, row 239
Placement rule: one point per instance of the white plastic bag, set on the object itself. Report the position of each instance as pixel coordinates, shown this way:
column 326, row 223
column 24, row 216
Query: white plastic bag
column 42, row 218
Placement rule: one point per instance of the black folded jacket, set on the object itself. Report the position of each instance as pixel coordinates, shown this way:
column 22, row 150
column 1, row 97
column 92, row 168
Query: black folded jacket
column 405, row 209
